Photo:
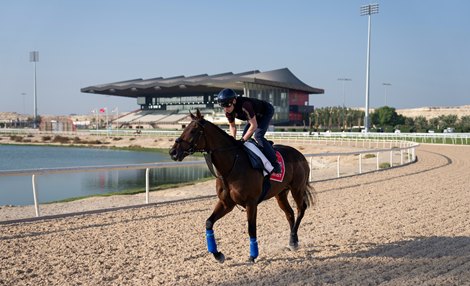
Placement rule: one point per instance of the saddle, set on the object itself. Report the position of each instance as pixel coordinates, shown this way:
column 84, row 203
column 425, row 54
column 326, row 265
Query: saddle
column 257, row 158
column 259, row 162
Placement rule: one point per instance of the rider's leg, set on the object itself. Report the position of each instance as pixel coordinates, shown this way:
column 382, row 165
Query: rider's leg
column 263, row 125
column 267, row 147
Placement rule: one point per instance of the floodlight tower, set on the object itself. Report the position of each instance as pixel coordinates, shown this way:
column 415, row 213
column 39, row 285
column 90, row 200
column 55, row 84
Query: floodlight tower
column 34, row 57
column 368, row 10
column 386, row 84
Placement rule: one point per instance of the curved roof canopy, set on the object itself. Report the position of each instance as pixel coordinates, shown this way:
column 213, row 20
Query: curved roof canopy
column 180, row 85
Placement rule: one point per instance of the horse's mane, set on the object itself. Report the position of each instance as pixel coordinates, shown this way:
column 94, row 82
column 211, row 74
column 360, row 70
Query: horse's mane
column 199, row 118
column 203, row 121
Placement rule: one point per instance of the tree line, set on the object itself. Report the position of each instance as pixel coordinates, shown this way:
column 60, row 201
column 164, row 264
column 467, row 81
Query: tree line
column 383, row 119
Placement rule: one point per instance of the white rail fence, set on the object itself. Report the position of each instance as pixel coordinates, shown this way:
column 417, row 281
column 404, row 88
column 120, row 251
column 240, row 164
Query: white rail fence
column 398, row 154
column 449, row 138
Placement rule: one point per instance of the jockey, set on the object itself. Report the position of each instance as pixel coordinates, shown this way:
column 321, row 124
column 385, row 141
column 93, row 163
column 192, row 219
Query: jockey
column 257, row 113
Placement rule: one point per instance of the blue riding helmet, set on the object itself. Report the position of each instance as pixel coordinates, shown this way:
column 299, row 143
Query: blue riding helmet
column 226, row 96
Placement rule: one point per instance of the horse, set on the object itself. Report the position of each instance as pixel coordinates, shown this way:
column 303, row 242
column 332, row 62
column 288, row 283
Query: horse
column 238, row 183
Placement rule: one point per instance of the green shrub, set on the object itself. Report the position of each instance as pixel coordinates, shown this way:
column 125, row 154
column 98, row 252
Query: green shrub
column 60, row 139
column 389, row 129
column 384, row 165
column 16, row 138
column 367, row 156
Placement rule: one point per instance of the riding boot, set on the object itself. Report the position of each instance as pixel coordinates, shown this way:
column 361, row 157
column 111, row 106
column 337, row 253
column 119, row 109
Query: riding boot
column 276, row 167
column 270, row 154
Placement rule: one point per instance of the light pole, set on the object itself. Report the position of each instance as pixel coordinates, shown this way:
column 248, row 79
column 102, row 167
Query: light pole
column 34, row 57
column 368, row 10
column 24, row 108
column 386, row 84
column 344, row 92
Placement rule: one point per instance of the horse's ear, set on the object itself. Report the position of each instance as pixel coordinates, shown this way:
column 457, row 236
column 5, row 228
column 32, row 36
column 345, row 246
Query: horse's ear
column 192, row 116
column 198, row 114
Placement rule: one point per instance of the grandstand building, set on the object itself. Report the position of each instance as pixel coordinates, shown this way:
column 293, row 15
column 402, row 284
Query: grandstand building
column 166, row 101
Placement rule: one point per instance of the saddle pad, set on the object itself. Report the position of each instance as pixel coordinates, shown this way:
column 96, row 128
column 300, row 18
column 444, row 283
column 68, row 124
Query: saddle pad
column 279, row 177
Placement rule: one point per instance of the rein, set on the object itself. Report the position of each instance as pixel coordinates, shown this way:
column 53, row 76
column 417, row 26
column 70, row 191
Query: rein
column 210, row 165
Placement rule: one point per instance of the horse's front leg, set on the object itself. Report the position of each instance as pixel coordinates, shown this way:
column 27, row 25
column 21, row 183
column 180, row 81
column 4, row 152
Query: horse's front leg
column 251, row 211
column 220, row 210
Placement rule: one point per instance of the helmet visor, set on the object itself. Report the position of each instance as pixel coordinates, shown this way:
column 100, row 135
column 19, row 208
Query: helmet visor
column 226, row 103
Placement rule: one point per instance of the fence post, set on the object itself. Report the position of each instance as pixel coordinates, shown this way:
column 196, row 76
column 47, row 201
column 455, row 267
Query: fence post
column 401, row 157
column 337, row 169
column 378, row 161
column 311, row 164
column 147, row 171
column 360, row 163
column 391, row 158
column 35, row 196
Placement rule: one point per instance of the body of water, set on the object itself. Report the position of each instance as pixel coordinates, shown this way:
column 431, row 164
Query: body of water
column 17, row 190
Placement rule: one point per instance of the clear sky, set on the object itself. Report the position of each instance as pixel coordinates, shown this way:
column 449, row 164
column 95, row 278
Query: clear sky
column 422, row 48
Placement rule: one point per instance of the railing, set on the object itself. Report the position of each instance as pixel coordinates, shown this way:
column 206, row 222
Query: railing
column 46, row 171
column 405, row 153
column 404, row 149
column 449, row 138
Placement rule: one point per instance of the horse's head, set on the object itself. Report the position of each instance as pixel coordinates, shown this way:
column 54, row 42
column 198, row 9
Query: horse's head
column 191, row 140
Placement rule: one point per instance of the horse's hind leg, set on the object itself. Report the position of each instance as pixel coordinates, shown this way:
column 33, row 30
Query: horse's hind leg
column 283, row 203
column 220, row 210
column 300, row 201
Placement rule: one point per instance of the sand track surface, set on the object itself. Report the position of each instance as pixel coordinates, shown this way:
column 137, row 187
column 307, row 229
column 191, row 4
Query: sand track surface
column 405, row 226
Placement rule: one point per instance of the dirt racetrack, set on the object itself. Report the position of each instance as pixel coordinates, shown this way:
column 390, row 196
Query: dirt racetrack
column 405, row 226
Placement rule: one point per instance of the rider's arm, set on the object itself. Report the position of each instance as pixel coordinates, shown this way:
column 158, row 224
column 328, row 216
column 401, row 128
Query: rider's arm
column 233, row 129
column 251, row 129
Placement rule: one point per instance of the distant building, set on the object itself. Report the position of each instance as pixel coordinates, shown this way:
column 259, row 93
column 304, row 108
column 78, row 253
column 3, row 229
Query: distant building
column 15, row 120
column 56, row 124
column 281, row 87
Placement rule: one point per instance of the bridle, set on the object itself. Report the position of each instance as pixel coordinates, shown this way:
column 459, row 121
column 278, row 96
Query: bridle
column 193, row 141
column 193, row 148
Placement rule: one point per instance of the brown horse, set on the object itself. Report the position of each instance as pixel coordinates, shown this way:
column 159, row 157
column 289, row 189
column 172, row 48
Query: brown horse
column 238, row 183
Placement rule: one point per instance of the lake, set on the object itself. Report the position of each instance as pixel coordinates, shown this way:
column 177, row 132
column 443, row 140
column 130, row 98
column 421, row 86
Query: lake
column 17, row 190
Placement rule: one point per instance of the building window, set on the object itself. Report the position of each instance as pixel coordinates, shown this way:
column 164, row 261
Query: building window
column 278, row 97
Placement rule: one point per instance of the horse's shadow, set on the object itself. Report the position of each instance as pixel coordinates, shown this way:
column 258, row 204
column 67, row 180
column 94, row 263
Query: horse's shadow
column 418, row 247
column 388, row 262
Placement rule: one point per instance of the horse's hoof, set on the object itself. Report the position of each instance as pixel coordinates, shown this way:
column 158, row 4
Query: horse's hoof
column 293, row 246
column 251, row 259
column 220, row 257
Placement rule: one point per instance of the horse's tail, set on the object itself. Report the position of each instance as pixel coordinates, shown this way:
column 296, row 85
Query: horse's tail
column 309, row 195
